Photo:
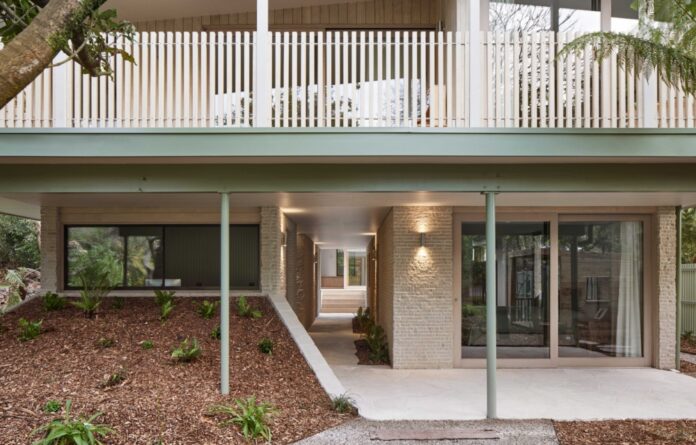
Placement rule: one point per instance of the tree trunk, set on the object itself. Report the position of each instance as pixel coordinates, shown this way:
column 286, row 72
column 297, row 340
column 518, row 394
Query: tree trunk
column 32, row 50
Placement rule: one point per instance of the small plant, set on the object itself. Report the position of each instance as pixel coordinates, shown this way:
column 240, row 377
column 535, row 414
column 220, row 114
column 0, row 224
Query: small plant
column 114, row 379
column 688, row 336
column 53, row 406
column 29, row 330
column 250, row 416
column 70, row 430
column 244, row 310
column 164, row 296
column 87, row 304
column 343, row 404
column 377, row 342
column 215, row 333
column 166, row 310
column 105, row 342
column 362, row 320
column 207, row 309
column 266, row 346
column 118, row 303
column 147, row 344
column 52, row 301
column 95, row 284
column 187, row 351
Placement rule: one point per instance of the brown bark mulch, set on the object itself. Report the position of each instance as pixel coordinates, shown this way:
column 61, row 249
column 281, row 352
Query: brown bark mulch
column 362, row 351
column 688, row 346
column 159, row 400
column 688, row 368
column 627, row 432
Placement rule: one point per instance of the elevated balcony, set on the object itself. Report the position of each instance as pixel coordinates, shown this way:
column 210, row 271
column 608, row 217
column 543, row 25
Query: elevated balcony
column 404, row 79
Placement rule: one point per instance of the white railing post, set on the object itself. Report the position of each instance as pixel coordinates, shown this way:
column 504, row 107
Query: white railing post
column 262, row 78
column 649, row 110
column 59, row 92
column 475, row 62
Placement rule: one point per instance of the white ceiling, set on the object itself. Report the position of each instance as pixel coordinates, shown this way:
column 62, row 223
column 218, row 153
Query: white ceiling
column 346, row 220
column 167, row 9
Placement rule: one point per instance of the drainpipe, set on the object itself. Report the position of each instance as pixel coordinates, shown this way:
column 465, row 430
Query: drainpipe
column 491, row 303
column 224, row 293
column 677, row 349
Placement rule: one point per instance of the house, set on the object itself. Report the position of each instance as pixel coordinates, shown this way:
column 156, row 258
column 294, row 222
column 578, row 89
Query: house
column 252, row 141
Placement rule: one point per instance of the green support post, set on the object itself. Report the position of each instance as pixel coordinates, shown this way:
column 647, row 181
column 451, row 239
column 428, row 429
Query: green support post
column 491, row 327
column 677, row 355
column 225, row 293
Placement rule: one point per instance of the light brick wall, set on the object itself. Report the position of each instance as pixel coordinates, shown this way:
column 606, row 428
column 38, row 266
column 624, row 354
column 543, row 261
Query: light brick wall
column 305, row 301
column 272, row 253
column 372, row 276
column 290, row 255
column 385, row 279
column 666, row 287
column 51, row 249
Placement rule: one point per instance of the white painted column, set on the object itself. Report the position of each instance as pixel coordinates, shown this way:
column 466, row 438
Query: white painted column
column 59, row 92
column 262, row 71
column 475, row 62
column 224, row 293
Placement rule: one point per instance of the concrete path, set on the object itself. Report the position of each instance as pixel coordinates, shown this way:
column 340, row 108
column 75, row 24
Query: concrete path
column 691, row 358
column 382, row 393
column 510, row 432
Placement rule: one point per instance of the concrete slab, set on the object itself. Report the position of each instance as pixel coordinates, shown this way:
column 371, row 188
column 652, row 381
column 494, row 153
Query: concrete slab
column 382, row 393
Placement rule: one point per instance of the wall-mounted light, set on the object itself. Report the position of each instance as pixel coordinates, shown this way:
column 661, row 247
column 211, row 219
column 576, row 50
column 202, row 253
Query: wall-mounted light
column 283, row 239
column 422, row 239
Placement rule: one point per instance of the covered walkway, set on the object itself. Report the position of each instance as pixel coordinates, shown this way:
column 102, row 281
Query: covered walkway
column 382, row 393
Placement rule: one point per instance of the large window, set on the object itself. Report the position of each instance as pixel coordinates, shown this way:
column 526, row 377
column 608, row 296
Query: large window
column 141, row 257
column 544, row 15
column 357, row 268
column 600, row 302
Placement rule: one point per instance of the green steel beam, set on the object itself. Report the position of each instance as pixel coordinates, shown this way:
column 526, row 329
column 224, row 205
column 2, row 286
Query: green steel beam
column 338, row 144
column 348, row 178
column 491, row 306
column 224, row 293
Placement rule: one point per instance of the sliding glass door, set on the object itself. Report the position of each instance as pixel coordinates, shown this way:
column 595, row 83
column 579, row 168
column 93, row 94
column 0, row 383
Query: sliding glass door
column 570, row 289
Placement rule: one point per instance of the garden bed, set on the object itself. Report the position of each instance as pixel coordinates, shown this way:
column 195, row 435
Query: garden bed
column 362, row 351
column 688, row 345
column 643, row 432
column 159, row 400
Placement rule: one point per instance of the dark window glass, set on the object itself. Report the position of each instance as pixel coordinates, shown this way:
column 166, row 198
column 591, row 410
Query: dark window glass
column 100, row 247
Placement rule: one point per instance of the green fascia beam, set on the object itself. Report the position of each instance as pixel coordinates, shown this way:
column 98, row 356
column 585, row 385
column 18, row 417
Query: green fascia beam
column 339, row 144
column 268, row 178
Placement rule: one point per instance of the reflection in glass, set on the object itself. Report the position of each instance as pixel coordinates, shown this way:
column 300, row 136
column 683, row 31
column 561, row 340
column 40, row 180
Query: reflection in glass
column 357, row 268
column 522, row 281
column 94, row 247
column 144, row 265
column 600, row 289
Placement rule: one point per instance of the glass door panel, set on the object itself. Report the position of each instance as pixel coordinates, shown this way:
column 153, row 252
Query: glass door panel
column 522, row 300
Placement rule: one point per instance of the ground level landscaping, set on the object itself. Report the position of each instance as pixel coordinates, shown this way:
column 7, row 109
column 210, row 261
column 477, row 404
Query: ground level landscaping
column 628, row 432
column 119, row 363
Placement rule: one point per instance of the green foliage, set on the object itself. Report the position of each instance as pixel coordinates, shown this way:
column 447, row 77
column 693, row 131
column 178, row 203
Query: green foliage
column 114, row 379
column 105, row 342
column 17, row 286
column 207, row 309
column 52, row 301
column 245, row 310
column 215, row 333
column 147, row 344
column 164, row 296
column 377, row 342
column 87, row 303
column 92, row 250
column 668, row 48
column 688, row 336
column 250, row 416
column 688, row 236
column 70, row 430
column 53, row 406
column 187, row 351
column 19, row 241
column 118, row 303
column 29, row 330
column 343, row 404
column 96, row 284
column 362, row 319
column 266, row 346
column 166, row 310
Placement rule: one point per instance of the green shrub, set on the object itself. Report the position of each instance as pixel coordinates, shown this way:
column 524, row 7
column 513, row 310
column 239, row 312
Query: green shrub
column 118, row 303
column 19, row 242
column 343, row 404
column 70, row 430
column 166, row 310
column 207, row 309
column 362, row 319
column 14, row 280
column 52, row 406
column 147, row 344
column 250, row 416
column 244, row 310
column 29, row 330
column 114, row 379
column 215, row 333
column 52, row 301
column 187, row 351
column 266, row 346
column 105, row 342
column 377, row 342
column 164, row 296
column 96, row 284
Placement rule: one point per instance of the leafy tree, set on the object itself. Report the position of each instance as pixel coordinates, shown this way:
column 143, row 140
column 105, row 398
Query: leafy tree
column 665, row 42
column 689, row 236
column 33, row 32
column 19, row 242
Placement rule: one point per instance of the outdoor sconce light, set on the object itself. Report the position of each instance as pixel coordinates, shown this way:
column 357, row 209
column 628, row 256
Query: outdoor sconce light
column 422, row 239
column 283, row 239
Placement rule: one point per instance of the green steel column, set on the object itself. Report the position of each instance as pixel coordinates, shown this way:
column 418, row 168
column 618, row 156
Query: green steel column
column 491, row 303
column 225, row 293
column 677, row 354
